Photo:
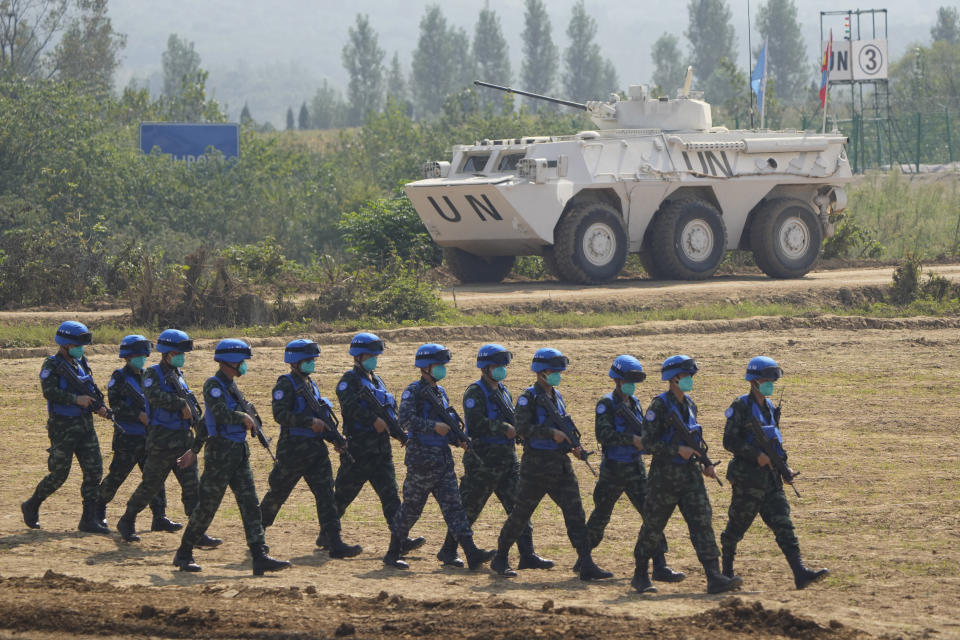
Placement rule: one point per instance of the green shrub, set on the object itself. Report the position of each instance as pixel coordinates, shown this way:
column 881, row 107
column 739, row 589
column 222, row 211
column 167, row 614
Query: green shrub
column 906, row 281
column 387, row 227
column 850, row 240
column 531, row 267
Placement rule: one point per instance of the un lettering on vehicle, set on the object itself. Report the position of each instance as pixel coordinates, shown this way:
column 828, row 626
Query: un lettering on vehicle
column 478, row 204
column 710, row 163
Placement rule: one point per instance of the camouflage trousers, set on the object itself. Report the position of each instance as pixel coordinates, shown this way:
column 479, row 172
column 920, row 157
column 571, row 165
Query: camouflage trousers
column 771, row 503
column 226, row 463
column 671, row 486
column 307, row 458
column 440, row 480
column 617, row 478
column 163, row 448
column 69, row 438
column 129, row 451
column 371, row 465
column 547, row 473
column 499, row 474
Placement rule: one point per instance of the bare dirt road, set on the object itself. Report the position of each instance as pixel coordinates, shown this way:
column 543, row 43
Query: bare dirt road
column 660, row 293
column 864, row 408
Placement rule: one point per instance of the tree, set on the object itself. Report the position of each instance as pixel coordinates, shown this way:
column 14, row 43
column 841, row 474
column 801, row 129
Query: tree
column 441, row 64
column 303, row 119
column 89, row 50
column 27, row 29
column 668, row 63
column 587, row 71
column 290, row 120
column 490, row 52
column 787, row 55
column 947, row 28
column 396, row 81
column 711, row 39
column 539, row 69
column 327, row 108
column 180, row 61
column 245, row 117
column 363, row 59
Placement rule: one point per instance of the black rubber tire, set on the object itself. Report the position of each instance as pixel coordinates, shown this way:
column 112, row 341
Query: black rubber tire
column 767, row 228
column 469, row 268
column 646, row 260
column 550, row 262
column 669, row 258
column 568, row 240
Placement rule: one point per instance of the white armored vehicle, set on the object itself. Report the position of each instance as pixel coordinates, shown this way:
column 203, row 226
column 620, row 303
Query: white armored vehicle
column 655, row 177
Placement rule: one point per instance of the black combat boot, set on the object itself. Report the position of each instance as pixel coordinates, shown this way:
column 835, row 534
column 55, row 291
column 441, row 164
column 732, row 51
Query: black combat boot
column 392, row 559
column 262, row 562
column 101, row 513
column 802, row 574
column 206, row 542
column 184, row 558
column 31, row 512
column 162, row 523
column 339, row 548
column 127, row 528
column 88, row 520
column 727, row 564
column 476, row 556
column 641, row 579
column 589, row 569
column 411, row 544
column 528, row 557
column 716, row 581
column 322, row 541
column 663, row 573
column 501, row 563
column 448, row 552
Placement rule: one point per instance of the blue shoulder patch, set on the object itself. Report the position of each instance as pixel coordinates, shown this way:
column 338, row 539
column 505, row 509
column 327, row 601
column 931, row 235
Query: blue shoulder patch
column 650, row 415
column 216, row 392
column 523, row 401
column 601, row 408
column 277, row 395
column 44, row 374
column 405, row 394
column 728, row 412
column 342, row 386
column 469, row 403
column 148, row 382
column 112, row 382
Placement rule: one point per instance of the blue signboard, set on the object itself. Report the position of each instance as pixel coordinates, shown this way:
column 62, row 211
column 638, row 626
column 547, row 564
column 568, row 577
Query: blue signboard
column 186, row 141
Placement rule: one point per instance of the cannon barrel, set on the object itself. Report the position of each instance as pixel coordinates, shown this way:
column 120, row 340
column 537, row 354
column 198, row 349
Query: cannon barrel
column 566, row 103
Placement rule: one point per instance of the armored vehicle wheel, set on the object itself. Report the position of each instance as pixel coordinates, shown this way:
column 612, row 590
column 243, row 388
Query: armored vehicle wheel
column 646, row 261
column 590, row 243
column 786, row 238
column 550, row 262
column 469, row 268
column 688, row 240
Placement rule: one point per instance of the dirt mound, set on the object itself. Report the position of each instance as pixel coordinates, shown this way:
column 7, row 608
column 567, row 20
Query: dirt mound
column 62, row 606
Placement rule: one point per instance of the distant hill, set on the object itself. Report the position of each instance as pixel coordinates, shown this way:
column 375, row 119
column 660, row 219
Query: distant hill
column 274, row 55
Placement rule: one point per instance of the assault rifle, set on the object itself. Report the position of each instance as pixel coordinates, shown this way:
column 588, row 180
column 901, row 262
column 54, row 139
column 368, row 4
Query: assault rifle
column 779, row 467
column 325, row 412
column 380, row 410
column 251, row 411
column 686, row 435
column 565, row 424
column 625, row 411
column 139, row 404
column 507, row 414
column 88, row 388
column 450, row 417
column 172, row 376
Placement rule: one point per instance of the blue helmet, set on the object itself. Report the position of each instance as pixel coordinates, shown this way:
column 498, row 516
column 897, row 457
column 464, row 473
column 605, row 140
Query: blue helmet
column 432, row 353
column 302, row 349
column 763, row 368
column 174, row 340
column 678, row 364
column 232, row 350
column 134, row 345
column 493, row 355
column 72, row 332
column 627, row 368
column 366, row 343
column 549, row 359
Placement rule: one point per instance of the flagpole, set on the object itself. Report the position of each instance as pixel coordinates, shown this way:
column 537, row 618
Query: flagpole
column 750, row 62
column 826, row 86
column 763, row 86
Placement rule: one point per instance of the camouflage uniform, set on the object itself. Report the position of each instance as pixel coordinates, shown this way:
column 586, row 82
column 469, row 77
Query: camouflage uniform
column 164, row 445
column 544, row 471
column 622, row 469
column 371, row 451
column 673, row 482
column 71, row 433
column 226, row 461
column 301, row 453
column 130, row 443
column 430, row 467
column 755, row 489
column 500, row 472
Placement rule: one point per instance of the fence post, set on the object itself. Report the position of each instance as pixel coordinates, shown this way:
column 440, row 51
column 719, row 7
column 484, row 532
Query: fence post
column 946, row 113
column 919, row 130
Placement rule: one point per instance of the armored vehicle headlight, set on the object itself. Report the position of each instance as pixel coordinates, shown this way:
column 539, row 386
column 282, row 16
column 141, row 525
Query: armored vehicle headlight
column 434, row 169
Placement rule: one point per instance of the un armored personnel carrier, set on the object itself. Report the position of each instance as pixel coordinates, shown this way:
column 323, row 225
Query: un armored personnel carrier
column 655, row 177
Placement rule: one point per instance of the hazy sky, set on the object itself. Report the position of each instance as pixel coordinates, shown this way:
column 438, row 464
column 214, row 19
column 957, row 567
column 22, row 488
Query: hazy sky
column 308, row 35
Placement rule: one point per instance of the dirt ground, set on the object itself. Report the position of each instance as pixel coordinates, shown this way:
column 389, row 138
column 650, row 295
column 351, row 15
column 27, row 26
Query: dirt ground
column 869, row 418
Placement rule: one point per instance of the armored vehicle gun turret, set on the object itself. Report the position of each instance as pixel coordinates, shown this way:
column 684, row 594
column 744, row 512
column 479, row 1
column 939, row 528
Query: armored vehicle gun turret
column 655, row 178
